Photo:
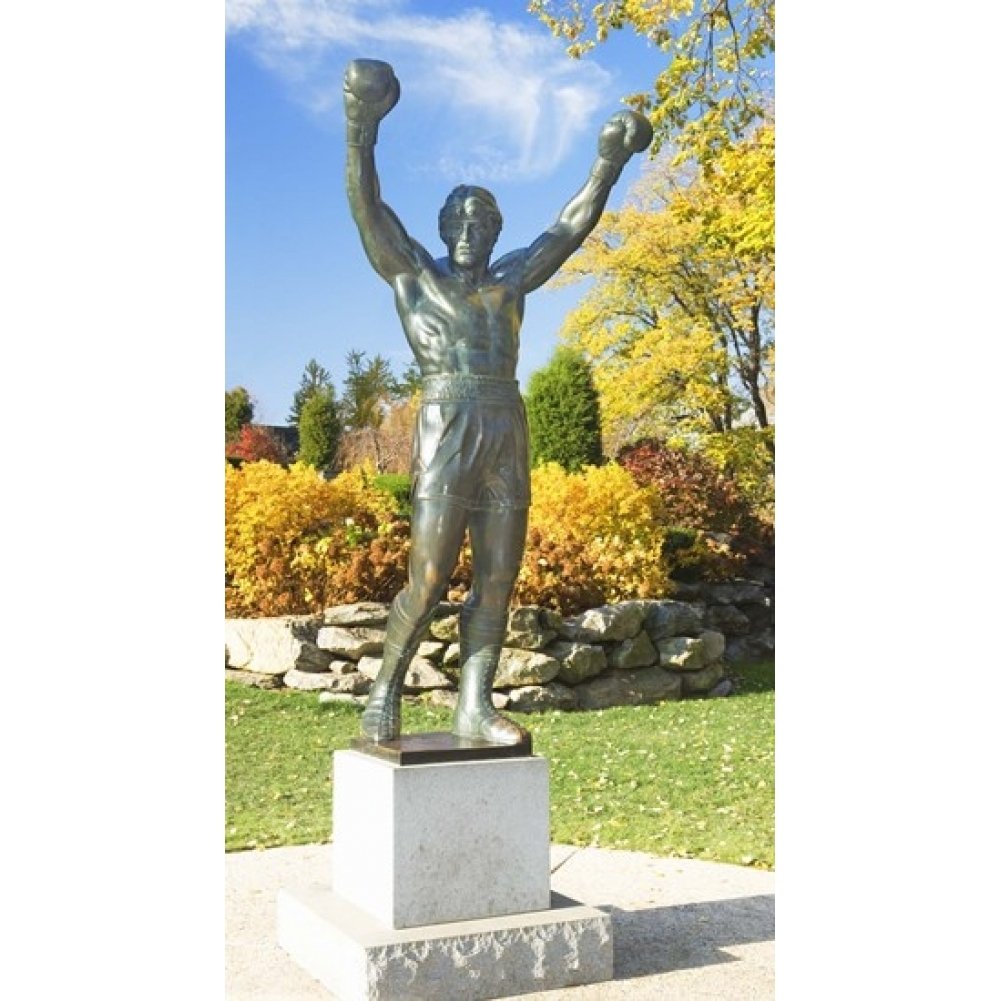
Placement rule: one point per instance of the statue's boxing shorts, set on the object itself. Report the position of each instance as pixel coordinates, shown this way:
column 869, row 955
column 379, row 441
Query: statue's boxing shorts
column 471, row 443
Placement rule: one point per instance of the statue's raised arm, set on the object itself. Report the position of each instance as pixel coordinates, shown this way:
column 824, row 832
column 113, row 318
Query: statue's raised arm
column 626, row 133
column 371, row 91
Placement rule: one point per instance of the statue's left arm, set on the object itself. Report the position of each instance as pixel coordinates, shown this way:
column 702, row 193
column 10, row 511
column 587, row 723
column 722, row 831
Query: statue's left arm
column 625, row 133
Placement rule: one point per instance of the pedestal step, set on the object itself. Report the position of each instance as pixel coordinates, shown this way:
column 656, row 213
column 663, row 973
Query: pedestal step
column 359, row 959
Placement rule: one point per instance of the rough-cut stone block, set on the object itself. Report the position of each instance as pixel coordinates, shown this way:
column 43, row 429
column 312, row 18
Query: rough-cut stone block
column 354, row 643
column 422, row 675
column 430, row 650
column 578, row 661
column 565, row 945
column 673, row 618
column 524, row 667
column 535, row 698
column 253, row 679
column 352, row 684
column 274, row 645
column 703, row 680
column 424, row 844
column 737, row 592
column 607, row 624
column 728, row 619
column 628, row 688
column 446, row 630
column 681, row 653
column 343, row 667
column 637, row 652
column 449, row 699
column 713, row 645
column 310, row 681
column 531, row 627
column 369, row 666
column 362, row 613
column 686, row 653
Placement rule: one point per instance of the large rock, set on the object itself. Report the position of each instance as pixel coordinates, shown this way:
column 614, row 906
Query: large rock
column 421, row 674
column 578, row 661
column 628, row 688
column 342, row 667
column 685, row 591
column 531, row 627
column 637, row 652
column 758, row 646
column 714, row 644
column 309, row 681
column 524, row 667
column 737, row 592
column 535, row 698
column 687, row 653
column 607, row 624
column 354, row 643
column 449, row 699
column 728, row 619
column 253, row 679
column 369, row 666
column 275, row 645
column 446, row 630
column 430, row 650
column 703, row 680
column 673, row 618
column 362, row 613
column 352, row 684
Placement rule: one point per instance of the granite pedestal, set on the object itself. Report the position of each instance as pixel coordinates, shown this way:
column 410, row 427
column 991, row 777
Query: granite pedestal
column 440, row 887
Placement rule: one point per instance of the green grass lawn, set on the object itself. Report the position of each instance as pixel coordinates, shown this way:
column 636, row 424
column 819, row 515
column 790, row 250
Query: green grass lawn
column 693, row 779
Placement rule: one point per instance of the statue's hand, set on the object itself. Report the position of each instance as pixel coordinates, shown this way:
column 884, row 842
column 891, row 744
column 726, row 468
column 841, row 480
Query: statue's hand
column 371, row 91
column 625, row 133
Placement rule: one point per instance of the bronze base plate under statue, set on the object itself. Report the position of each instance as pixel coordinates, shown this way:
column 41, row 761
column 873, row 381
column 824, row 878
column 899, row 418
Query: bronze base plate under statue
column 437, row 748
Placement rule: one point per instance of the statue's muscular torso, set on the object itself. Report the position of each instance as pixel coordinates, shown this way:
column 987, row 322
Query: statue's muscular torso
column 455, row 327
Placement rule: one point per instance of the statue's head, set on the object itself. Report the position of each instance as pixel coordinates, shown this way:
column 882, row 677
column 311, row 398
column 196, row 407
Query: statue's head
column 469, row 223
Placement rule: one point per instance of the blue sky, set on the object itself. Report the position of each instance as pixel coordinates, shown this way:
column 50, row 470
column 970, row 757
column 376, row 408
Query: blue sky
column 488, row 97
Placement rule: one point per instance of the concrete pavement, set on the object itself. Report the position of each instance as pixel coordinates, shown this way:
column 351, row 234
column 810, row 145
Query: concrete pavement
column 683, row 930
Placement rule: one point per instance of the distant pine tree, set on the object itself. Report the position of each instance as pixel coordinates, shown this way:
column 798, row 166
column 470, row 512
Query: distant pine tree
column 314, row 377
column 564, row 415
column 319, row 430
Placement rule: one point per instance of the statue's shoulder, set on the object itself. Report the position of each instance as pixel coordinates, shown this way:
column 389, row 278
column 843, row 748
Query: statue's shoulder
column 510, row 267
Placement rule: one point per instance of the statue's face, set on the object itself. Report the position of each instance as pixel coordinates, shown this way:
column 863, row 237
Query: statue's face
column 471, row 236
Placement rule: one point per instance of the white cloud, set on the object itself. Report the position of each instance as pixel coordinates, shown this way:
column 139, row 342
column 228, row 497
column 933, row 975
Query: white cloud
column 508, row 84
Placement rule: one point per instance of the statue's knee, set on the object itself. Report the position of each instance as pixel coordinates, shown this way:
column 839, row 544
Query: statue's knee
column 492, row 590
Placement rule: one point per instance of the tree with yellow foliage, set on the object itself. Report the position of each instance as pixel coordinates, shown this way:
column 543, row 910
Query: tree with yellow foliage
column 679, row 320
column 716, row 80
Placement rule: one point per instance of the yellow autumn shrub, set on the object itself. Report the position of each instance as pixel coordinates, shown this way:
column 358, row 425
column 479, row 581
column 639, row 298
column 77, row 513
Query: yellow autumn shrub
column 296, row 543
column 594, row 537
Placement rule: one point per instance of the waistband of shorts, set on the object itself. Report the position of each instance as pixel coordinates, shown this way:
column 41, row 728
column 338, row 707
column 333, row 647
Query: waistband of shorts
column 475, row 388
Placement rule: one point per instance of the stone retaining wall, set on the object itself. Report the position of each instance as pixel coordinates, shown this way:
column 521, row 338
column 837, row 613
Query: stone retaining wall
column 626, row 654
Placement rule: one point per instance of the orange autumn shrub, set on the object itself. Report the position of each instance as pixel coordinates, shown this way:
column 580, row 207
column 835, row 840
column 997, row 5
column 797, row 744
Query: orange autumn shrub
column 296, row 543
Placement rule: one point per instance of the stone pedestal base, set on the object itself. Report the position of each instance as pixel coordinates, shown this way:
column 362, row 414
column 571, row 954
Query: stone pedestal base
column 428, row 843
column 359, row 959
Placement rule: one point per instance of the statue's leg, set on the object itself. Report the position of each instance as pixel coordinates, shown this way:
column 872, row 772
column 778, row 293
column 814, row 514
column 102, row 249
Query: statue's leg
column 438, row 527
column 498, row 541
